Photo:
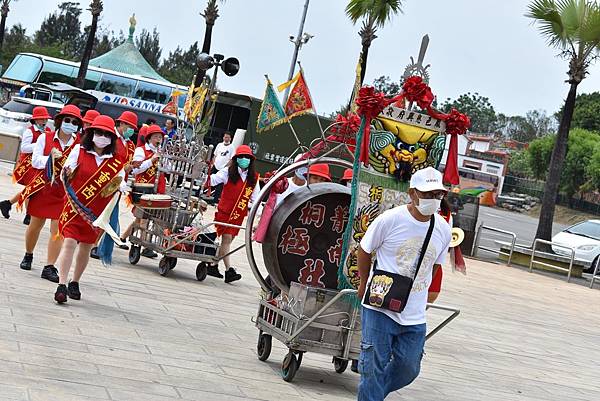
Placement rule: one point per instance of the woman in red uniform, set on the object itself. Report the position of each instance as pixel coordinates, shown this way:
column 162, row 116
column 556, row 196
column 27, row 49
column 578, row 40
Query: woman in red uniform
column 95, row 173
column 23, row 171
column 45, row 193
column 240, row 191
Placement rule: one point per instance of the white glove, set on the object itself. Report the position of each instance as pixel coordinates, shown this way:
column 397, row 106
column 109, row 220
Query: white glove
column 55, row 153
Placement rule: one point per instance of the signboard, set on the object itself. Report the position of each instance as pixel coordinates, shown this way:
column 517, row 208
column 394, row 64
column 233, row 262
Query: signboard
column 10, row 145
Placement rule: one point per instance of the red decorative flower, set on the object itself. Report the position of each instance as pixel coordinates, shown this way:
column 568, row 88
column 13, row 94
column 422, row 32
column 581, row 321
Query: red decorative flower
column 280, row 186
column 457, row 123
column 346, row 125
column 370, row 103
column 415, row 90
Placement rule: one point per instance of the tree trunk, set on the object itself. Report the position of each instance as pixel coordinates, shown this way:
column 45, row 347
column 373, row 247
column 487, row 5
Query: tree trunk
column 544, row 230
column 87, row 53
column 2, row 28
column 364, row 54
column 205, row 49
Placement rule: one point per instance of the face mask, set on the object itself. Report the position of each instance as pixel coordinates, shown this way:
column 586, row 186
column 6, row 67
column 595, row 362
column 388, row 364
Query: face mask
column 243, row 162
column 427, row 207
column 301, row 173
column 40, row 127
column 128, row 133
column 101, row 141
column 69, row 128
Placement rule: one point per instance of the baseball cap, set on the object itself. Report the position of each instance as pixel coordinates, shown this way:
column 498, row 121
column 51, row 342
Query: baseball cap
column 427, row 179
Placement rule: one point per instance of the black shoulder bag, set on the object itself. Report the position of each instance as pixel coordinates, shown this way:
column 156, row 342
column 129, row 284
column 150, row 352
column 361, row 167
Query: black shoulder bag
column 391, row 290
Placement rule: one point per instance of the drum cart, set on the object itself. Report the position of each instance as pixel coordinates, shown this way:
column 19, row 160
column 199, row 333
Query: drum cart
column 173, row 228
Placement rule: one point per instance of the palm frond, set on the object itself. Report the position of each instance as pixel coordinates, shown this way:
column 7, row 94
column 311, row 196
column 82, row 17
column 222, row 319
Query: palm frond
column 377, row 11
column 546, row 14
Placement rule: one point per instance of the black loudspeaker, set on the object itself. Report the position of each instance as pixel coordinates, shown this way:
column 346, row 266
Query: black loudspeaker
column 231, row 66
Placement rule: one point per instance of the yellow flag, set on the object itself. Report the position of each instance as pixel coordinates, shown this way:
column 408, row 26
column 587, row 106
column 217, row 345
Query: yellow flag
column 353, row 106
column 287, row 84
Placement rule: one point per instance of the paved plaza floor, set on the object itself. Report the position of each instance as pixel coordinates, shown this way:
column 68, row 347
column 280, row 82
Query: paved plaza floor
column 138, row 336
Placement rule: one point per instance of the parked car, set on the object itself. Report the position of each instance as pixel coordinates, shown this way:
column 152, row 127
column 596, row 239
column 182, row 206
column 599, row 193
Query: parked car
column 15, row 115
column 584, row 238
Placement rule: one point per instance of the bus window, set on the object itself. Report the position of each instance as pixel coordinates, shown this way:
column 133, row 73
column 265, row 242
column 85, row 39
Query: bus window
column 24, row 68
column 57, row 72
column 152, row 92
column 91, row 79
column 116, row 85
column 181, row 101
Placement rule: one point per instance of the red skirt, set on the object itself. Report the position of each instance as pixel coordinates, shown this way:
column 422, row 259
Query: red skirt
column 47, row 203
column 224, row 218
column 80, row 230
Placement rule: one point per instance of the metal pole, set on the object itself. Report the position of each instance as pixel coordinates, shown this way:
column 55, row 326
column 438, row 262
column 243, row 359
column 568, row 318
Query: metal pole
column 297, row 45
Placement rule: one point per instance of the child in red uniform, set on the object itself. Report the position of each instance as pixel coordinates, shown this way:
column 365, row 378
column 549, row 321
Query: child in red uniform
column 23, row 172
column 44, row 198
column 93, row 168
column 240, row 191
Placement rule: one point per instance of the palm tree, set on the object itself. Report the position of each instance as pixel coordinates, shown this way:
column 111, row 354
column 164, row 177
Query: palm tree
column 374, row 14
column 4, row 9
column 96, row 8
column 210, row 14
column 572, row 26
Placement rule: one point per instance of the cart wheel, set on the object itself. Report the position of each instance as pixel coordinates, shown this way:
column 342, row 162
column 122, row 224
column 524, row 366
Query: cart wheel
column 201, row 271
column 289, row 367
column 134, row 254
column 340, row 365
column 264, row 346
column 172, row 263
column 164, row 266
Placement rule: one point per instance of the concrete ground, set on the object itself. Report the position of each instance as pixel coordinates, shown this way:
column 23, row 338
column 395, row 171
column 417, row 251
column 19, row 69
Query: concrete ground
column 138, row 336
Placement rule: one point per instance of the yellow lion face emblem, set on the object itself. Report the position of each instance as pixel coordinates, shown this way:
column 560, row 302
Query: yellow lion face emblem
column 380, row 286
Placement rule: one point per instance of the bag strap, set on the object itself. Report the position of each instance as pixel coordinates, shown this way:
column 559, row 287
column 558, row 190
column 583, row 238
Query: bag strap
column 425, row 245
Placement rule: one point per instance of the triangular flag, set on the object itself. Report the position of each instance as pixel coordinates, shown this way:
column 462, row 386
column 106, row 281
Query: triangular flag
column 271, row 112
column 299, row 102
column 353, row 106
column 289, row 83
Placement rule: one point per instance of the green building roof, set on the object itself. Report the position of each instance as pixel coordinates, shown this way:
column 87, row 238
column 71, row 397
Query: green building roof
column 127, row 59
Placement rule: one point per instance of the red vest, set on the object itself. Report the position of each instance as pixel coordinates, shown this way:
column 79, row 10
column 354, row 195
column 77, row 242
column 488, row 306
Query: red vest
column 149, row 176
column 233, row 204
column 86, row 168
column 23, row 171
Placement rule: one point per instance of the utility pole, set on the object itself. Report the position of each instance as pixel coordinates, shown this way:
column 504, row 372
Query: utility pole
column 298, row 41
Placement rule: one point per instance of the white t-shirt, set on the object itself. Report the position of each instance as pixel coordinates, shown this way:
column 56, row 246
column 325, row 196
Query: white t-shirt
column 290, row 189
column 397, row 238
column 223, row 153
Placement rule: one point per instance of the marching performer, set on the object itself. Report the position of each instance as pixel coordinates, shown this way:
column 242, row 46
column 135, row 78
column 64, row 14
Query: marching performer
column 146, row 158
column 45, row 193
column 240, row 191
column 95, row 172
column 23, row 171
column 89, row 118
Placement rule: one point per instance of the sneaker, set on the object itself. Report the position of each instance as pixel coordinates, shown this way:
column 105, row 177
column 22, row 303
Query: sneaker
column 149, row 253
column 60, row 295
column 50, row 273
column 73, row 290
column 5, row 207
column 27, row 220
column 94, row 253
column 27, row 261
column 124, row 246
column 231, row 275
column 213, row 271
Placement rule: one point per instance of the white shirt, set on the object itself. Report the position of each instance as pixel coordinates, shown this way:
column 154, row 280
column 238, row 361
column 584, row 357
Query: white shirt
column 292, row 187
column 38, row 160
column 71, row 162
column 222, row 177
column 397, row 238
column 223, row 154
column 140, row 155
column 27, row 143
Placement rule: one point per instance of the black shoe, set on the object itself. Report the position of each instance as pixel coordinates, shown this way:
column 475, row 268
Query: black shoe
column 94, row 253
column 26, row 262
column 50, row 273
column 231, row 275
column 27, row 220
column 213, row 271
column 149, row 253
column 5, row 207
column 73, row 290
column 60, row 295
column 123, row 247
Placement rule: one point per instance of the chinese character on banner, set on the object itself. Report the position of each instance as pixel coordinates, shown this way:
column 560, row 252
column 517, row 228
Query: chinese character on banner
column 312, row 273
column 334, row 253
column 339, row 218
column 295, row 241
column 375, row 194
column 312, row 214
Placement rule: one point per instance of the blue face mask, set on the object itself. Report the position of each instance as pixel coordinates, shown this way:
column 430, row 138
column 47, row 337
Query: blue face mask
column 69, row 128
column 40, row 127
column 243, row 162
column 128, row 133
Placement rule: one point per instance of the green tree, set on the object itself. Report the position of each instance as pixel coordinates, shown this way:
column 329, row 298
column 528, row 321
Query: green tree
column 540, row 151
column 478, row 108
column 587, row 112
column 179, row 66
column 386, row 85
column 4, row 10
column 572, row 26
column 96, row 8
column 149, row 46
column 374, row 14
column 15, row 41
column 62, row 29
column 520, row 164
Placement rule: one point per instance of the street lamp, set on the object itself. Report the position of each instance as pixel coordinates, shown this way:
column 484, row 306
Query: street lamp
column 301, row 39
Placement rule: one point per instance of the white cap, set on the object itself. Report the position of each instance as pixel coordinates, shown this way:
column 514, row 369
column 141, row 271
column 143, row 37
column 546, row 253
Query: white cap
column 427, row 179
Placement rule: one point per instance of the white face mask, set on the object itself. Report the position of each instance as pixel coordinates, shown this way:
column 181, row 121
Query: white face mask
column 427, row 207
column 69, row 128
column 101, row 141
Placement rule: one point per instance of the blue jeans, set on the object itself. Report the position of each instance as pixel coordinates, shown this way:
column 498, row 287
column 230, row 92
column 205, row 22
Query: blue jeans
column 390, row 356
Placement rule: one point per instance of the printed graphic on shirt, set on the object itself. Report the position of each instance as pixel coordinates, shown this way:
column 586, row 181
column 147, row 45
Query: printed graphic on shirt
column 407, row 257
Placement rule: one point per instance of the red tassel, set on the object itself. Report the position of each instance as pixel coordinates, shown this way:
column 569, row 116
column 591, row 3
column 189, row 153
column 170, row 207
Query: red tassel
column 459, row 262
column 451, row 170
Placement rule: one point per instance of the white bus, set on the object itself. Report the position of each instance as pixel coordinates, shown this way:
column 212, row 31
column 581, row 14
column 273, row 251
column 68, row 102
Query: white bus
column 110, row 86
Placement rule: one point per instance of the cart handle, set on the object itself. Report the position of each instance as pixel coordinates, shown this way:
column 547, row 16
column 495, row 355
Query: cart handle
column 455, row 313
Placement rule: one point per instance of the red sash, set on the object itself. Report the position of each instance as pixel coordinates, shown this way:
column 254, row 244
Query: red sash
column 40, row 180
column 240, row 207
column 88, row 184
column 23, row 165
column 149, row 176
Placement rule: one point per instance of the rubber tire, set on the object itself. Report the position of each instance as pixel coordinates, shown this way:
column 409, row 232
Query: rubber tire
column 164, row 266
column 340, row 365
column 289, row 367
column 201, row 271
column 593, row 266
column 264, row 346
column 135, row 252
column 172, row 263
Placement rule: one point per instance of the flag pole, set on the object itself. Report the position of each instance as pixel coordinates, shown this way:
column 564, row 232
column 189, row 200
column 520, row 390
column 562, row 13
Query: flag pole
column 286, row 117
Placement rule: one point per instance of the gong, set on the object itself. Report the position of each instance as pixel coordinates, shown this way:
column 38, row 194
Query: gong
column 304, row 240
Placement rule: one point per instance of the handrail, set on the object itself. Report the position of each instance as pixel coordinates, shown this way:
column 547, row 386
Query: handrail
column 455, row 313
column 595, row 273
column 543, row 241
column 476, row 245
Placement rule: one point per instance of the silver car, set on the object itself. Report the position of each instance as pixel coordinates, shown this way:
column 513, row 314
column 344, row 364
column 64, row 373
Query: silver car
column 584, row 238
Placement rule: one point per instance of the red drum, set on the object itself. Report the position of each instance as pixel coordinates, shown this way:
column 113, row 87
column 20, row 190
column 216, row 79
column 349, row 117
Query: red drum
column 155, row 202
column 139, row 190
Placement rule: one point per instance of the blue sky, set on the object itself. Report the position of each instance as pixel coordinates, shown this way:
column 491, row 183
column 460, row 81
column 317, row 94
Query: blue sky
column 484, row 46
